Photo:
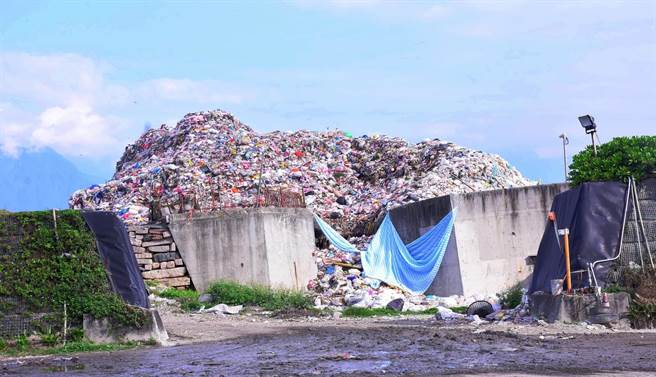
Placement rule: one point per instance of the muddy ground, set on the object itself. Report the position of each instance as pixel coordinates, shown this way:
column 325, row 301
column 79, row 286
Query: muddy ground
column 210, row 345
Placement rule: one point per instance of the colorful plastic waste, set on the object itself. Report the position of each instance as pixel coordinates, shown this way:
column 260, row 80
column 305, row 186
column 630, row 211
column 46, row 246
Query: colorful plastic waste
column 210, row 160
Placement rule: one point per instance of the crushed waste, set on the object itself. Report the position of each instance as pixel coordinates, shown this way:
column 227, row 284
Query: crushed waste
column 210, row 161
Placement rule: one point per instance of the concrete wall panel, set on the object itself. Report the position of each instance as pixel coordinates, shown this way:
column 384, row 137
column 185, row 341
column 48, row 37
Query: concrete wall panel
column 251, row 246
column 493, row 234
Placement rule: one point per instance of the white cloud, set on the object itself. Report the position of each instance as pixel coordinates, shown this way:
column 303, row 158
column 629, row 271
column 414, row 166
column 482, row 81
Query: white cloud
column 66, row 102
column 56, row 78
column 76, row 129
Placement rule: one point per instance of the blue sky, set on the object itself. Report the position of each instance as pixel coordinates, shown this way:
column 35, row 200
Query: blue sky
column 503, row 76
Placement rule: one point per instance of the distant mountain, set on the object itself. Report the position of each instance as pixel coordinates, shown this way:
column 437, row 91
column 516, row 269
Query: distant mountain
column 39, row 180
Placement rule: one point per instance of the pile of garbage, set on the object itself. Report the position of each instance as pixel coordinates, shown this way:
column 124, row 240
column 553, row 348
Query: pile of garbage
column 341, row 282
column 210, row 160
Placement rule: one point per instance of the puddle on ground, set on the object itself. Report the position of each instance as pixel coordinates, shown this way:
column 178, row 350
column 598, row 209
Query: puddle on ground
column 351, row 366
column 64, row 367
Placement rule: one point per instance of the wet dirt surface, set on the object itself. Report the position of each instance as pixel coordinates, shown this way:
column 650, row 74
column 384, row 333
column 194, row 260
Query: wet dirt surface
column 420, row 347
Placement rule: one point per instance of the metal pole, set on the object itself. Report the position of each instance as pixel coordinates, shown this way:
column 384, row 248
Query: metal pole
column 642, row 225
column 565, row 142
column 635, row 228
column 594, row 146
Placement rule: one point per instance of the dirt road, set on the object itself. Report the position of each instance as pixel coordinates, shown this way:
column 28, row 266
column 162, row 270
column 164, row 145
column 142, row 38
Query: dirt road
column 244, row 346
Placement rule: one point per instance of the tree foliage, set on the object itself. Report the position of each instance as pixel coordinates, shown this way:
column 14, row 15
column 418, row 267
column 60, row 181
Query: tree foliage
column 616, row 160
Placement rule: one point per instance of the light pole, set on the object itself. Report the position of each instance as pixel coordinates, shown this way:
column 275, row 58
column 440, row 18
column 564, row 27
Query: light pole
column 590, row 126
column 565, row 142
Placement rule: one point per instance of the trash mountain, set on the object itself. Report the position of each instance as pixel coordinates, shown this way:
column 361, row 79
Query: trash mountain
column 210, row 160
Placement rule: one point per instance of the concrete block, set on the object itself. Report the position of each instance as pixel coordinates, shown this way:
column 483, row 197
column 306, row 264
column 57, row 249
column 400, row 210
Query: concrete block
column 138, row 229
column 104, row 331
column 174, row 247
column 155, row 265
column 143, row 256
column 163, row 274
column 159, row 249
column 138, row 249
column 165, row 257
column 156, row 243
column 574, row 308
column 176, row 282
column 136, row 242
column 144, row 261
column 179, row 262
column 170, row 264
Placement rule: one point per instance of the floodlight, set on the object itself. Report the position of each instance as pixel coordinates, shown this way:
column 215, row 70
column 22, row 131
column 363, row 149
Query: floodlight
column 590, row 126
column 588, row 123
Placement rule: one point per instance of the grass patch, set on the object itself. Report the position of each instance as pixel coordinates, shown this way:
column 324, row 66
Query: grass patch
column 231, row 293
column 187, row 298
column 614, row 288
column 382, row 312
column 459, row 309
column 71, row 347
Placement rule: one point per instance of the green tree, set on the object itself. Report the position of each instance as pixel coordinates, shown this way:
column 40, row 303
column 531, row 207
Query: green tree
column 615, row 161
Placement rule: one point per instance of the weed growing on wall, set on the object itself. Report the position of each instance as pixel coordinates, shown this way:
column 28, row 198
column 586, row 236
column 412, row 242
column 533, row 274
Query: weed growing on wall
column 42, row 269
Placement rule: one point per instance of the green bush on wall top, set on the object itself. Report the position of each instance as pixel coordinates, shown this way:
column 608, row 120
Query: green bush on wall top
column 616, row 160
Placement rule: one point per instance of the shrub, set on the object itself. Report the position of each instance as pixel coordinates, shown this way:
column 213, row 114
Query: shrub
column 640, row 283
column 642, row 313
column 22, row 343
column 49, row 338
column 511, row 297
column 76, row 334
column 231, row 293
column 616, row 160
column 187, row 298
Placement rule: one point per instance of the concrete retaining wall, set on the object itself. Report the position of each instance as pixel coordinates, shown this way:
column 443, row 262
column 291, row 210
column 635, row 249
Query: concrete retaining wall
column 268, row 246
column 493, row 234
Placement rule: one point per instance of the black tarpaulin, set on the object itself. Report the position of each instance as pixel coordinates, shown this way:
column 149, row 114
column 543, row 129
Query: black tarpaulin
column 119, row 260
column 593, row 213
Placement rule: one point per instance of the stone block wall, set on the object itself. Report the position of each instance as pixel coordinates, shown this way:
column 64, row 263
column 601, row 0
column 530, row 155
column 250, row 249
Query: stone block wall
column 158, row 256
